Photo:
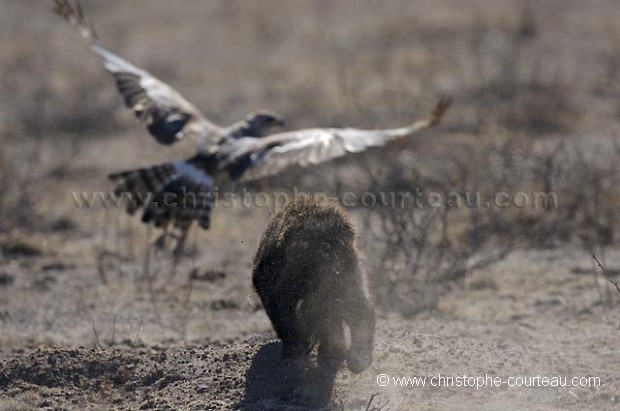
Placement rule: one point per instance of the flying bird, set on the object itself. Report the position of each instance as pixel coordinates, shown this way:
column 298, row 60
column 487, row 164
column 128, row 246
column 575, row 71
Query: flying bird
column 180, row 192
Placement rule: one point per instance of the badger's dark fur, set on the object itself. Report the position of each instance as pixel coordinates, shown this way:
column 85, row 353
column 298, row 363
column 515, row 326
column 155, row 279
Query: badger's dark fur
column 307, row 275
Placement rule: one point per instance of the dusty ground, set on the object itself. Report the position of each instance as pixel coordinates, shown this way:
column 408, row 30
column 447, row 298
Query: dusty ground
column 85, row 323
column 536, row 313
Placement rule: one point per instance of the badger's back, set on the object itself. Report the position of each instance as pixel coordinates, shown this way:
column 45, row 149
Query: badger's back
column 312, row 219
column 309, row 238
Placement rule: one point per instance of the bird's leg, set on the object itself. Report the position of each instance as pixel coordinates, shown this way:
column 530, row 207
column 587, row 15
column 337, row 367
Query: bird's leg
column 147, row 254
column 179, row 248
column 161, row 241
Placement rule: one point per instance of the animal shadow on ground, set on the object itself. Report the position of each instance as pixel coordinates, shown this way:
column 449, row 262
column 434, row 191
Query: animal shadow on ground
column 271, row 383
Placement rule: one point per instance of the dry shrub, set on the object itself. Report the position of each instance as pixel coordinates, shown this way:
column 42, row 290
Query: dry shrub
column 444, row 228
column 587, row 182
column 15, row 199
column 608, row 293
column 535, row 108
column 416, row 248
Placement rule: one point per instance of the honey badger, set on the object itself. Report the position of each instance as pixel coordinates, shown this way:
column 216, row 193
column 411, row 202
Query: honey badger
column 307, row 275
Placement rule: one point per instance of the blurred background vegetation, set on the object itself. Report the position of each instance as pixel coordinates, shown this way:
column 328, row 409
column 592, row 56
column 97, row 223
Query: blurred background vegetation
column 536, row 87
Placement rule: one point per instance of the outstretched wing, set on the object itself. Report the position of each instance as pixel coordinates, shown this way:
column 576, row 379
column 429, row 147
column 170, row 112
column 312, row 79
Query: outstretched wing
column 166, row 113
column 274, row 153
column 173, row 193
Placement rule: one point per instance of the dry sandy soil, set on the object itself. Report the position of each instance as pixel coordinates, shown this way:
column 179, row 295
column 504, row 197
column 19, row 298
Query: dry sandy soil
column 85, row 324
column 536, row 313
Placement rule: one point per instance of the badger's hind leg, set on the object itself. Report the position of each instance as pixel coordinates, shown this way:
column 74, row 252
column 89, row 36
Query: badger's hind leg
column 332, row 342
column 332, row 351
column 359, row 315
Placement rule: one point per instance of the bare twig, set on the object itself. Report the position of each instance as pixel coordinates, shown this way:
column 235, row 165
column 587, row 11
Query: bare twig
column 113, row 331
column 135, row 340
column 608, row 275
column 604, row 302
column 370, row 400
column 370, row 407
column 96, row 342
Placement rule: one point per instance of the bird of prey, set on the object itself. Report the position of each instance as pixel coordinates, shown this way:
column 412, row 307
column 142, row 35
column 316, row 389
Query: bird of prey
column 180, row 192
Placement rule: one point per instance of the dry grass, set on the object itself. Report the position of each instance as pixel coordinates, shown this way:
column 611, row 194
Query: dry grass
column 27, row 401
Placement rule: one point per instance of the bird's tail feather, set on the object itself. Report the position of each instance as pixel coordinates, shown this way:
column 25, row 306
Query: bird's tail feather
column 168, row 193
